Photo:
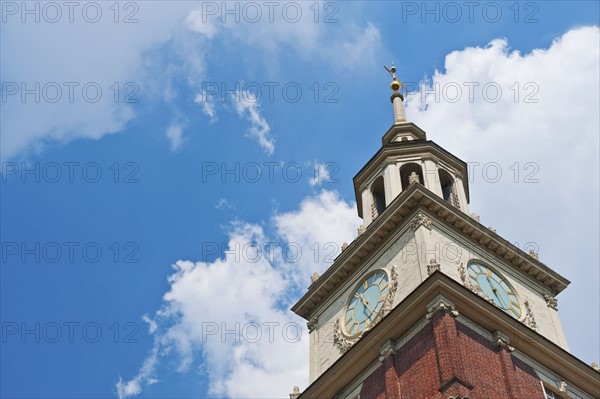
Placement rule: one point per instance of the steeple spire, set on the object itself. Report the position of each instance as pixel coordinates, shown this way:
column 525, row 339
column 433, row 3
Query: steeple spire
column 397, row 97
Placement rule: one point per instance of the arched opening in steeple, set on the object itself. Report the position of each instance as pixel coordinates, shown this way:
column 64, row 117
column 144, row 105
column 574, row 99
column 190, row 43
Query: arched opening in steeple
column 410, row 173
column 448, row 189
column 378, row 191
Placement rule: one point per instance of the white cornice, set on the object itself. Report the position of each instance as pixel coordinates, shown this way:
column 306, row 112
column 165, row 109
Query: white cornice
column 395, row 216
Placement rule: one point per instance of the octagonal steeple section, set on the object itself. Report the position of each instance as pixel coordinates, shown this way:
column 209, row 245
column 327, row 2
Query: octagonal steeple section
column 406, row 158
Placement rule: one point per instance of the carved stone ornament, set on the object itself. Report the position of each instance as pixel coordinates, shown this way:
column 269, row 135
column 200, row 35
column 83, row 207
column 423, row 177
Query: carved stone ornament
column 490, row 228
column 387, row 306
column 475, row 217
column 312, row 323
column 361, row 229
column 344, row 342
column 502, row 341
column 534, row 254
column 386, row 350
column 465, row 278
column 314, row 277
column 339, row 338
column 595, row 366
column 551, row 301
column 295, row 393
column 344, row 246
column 529, row 318
column 562, row 387
column 440, row 304
column 413, row 178
column 420, row 220
column 433, row 266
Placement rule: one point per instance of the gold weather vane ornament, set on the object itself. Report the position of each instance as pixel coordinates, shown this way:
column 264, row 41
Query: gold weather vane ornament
column 396, row 84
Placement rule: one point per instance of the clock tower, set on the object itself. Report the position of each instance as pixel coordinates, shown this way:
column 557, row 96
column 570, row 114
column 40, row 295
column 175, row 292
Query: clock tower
column 429, row 303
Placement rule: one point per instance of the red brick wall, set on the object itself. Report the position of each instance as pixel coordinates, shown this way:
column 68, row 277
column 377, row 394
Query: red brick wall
column 448, row 359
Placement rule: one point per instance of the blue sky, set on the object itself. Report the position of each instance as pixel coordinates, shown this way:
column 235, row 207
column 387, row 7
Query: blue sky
column 136, row 150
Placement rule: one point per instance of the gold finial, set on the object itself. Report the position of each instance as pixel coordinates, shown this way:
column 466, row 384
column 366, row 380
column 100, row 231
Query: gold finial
column 396, row 84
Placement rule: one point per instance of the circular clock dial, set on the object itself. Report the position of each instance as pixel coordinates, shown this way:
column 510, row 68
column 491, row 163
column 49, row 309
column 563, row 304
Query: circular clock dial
column 366, row 303
column 486, row 281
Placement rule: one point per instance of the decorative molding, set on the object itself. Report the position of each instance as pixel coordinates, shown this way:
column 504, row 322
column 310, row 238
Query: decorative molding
column 339, row 339
column 595, row 366
column 475, row 217
column 312, row 323
column 344, row 342
column 562, row 387
column 502, row 341
column 374, row 212
column 529, row 318
column 464, row 276
column 386, row 350
column 295, row 392
column 440, row 304
column 413, row 178
column 490, row 228
column 551, row 301
column 433, row 266
column 534, row 254
column 420, row 220
column 315, row 276
column 344, row 246
column 361, row 229
column 387, row 306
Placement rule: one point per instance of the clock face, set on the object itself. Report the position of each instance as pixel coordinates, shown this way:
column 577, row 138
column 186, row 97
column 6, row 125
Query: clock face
column 486, row 281
column 366, row 303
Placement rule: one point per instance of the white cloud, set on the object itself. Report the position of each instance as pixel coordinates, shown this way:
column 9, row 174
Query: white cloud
column 198, row 21
column 208, row 105
column 314, row 35
column 246, row 292
column 174, row 134
column 543, row 140
column 247, row 106
column 223, row 203
column 134, row 65
column 320, row 227
column 321, row 174
column 83, row 56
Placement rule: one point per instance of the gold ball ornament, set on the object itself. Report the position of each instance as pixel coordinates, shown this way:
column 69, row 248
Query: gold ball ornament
column 395, row 85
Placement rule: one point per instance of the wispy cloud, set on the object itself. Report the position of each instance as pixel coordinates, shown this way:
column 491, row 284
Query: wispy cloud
column 208, row 105
column 174, row 134
column 321, row 174
column 247, row 106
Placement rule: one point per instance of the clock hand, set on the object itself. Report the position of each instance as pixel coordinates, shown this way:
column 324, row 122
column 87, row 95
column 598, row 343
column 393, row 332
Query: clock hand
column 366, row 303
column 495, row 291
